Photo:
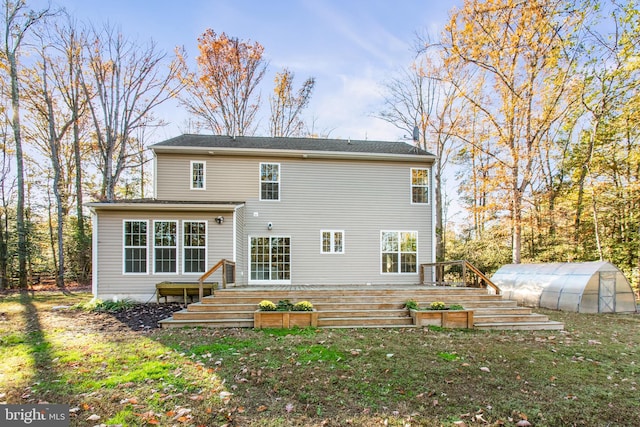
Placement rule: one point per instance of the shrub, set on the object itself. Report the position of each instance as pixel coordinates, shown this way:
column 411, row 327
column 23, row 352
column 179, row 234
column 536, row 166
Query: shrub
column 302, row 306
column 284, row 305
column 266, row 305
column 412, row 305
column 96, row 304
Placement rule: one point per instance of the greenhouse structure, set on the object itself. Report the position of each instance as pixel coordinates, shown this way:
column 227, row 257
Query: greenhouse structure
column 587, row 287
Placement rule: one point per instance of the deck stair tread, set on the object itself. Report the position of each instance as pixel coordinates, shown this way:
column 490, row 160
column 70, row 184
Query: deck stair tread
column 351, row 307
column 549, row 325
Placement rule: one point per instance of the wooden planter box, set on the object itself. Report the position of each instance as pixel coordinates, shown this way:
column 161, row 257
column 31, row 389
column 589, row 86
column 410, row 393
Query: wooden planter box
column 284, row 319
column 461, row 319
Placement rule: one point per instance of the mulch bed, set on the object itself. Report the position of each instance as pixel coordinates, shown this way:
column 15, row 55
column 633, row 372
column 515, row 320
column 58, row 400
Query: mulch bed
column 141, row 317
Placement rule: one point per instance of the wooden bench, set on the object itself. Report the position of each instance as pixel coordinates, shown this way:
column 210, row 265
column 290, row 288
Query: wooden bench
column 189, row 289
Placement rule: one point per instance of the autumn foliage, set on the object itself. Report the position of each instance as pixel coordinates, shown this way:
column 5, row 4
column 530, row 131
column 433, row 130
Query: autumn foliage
column 222, row 93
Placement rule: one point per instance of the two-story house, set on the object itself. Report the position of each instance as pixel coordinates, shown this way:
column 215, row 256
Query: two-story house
column 286, row 210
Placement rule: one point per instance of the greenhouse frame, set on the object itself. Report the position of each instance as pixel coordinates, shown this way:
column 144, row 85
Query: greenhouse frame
column 587, row 287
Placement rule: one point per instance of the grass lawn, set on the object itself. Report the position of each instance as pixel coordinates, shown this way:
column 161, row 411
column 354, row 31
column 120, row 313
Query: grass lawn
column 587, row 375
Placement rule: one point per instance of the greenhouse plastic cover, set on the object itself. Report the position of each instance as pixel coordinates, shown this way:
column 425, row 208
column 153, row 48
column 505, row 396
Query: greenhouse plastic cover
column 588, row 287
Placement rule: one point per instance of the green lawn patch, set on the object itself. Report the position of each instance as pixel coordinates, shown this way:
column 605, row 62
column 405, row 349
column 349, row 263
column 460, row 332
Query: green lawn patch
column 587, row 375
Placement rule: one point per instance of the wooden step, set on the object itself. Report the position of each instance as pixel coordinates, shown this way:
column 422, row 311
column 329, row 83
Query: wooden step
column 359, row 307
column 480, row 311
column 217, row 323
column 362, row 313
column 509, row 318
column 212, row 315
column 358, row 322
column 522, row 326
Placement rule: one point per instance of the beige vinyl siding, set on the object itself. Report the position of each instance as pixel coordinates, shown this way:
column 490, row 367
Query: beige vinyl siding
column 227, row 178
column 112, row 282
column 357, row 196
column 361, row 198
column 241, row 247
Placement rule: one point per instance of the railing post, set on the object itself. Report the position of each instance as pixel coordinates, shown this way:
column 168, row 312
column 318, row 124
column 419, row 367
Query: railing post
column 224, row 274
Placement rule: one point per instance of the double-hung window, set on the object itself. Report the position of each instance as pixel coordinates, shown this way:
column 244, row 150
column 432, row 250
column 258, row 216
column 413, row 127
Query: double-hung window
column 198, row 175
column 135, row 246
column 332, row 242
column 399, row 250
column 194, row 246
column 165, row 246
column 269, row 181
column 420, row 186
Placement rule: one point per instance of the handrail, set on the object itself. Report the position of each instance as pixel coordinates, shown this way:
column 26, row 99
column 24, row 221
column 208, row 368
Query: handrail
column 483, row 277
column 464, row 266
column 222, row 263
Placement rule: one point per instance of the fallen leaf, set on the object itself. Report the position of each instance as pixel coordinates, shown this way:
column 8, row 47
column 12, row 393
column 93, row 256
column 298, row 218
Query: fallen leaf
column 262, row 408
column 485, row 369
column 93, row 417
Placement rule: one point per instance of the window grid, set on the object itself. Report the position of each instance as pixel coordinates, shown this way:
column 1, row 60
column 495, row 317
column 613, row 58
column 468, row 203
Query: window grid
column 165, row 246
column 195, row 246
column 197, row 175
column 270, row 258
column 269, row 181
column 399, row 250
column 332, row 242
column 135, row 246
column 419, row 186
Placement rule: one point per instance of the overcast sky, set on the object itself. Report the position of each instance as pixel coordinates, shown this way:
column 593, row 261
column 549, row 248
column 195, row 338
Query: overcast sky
column 350, row 46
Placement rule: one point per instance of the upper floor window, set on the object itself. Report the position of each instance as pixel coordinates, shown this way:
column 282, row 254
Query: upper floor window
column 269, row 181
column 135, row 246
column 332, row 242
column 198, row 175
column 419, row 185
column 399, row 251
column 165, row 246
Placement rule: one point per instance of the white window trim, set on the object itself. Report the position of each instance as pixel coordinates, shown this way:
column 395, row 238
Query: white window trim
column 279, row 182
column 411, row 186
column 204, row 174
column 399, row 272
column 331, row 252
column 184, row 247
column 177, row 247
column 124, row 248
column 270, row 282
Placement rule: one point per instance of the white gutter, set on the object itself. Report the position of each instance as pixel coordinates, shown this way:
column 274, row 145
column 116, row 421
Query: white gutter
column 305, row 154
column 155, row 206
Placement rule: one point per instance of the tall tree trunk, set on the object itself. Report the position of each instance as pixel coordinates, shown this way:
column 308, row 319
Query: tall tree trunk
column 17, row 136
column 83, row 258
column 581, row 181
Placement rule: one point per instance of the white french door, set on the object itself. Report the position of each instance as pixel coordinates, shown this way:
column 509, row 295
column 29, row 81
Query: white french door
column 270, row 260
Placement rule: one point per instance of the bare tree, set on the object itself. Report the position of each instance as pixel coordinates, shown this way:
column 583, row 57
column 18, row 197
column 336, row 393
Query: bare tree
column 70, row 42
column 51, row 127
column 124, row 82
column 422, row 97
column 18, row 22
column 286, row 107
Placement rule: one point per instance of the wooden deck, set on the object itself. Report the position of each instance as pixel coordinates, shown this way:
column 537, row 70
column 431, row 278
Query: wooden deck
column 364, row 306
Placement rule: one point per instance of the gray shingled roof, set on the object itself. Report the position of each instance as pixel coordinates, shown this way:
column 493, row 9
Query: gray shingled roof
column 302, row 144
